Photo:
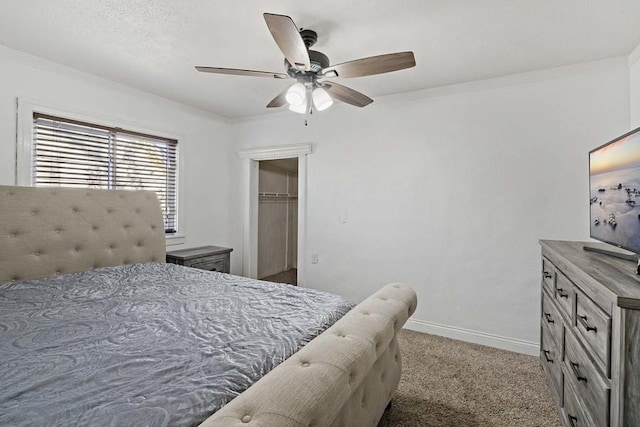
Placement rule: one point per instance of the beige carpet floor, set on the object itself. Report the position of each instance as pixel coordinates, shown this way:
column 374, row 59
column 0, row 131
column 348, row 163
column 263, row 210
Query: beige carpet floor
column 452, row 383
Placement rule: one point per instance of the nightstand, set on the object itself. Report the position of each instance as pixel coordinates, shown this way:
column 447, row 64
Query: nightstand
column 212, row 258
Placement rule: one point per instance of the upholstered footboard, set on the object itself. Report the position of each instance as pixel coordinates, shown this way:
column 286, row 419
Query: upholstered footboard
column 344, row 377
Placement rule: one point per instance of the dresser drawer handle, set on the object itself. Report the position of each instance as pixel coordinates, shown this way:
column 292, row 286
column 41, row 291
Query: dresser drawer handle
column 546, row 352
column 549, row 319
column 583, row 320
column 547, row 275
column 562, row 293
column 572, row 420
column 575, row 368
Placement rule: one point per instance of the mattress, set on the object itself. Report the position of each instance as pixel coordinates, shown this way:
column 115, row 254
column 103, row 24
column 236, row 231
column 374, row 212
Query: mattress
column 146, row 344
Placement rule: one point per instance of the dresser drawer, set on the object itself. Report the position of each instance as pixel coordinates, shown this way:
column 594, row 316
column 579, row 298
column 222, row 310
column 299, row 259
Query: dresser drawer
column 564, row 295
column 574, row 412
column 548, row 274
column 551, row 359
column 592, row 389
column 594, row 325
column 552, row 319
column 215, row 263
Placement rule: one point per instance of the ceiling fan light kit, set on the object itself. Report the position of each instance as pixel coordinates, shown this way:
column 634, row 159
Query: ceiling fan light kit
column 296, row 94
column 304, row 100
column 321, row 99
column 311, row 68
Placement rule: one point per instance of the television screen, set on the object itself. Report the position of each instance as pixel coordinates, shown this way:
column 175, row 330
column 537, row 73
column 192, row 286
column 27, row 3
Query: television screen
column 614, row 187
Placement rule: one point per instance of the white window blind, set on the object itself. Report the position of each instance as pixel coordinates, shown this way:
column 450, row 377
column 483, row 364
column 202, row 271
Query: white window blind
column 69, row 153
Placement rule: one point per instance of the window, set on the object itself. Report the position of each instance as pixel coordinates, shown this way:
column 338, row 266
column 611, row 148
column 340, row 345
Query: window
column 69, row 153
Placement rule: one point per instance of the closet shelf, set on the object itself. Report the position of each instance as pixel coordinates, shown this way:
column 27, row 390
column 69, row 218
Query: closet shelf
column 277, row 195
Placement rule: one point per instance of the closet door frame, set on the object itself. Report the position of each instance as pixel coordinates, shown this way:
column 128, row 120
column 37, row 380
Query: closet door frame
column 251, row 159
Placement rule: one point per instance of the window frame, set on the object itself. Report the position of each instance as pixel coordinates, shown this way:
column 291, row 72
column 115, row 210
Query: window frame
column 25, row 136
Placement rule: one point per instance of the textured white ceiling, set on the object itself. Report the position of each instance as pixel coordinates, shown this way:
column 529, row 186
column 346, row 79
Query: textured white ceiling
column 153, row 45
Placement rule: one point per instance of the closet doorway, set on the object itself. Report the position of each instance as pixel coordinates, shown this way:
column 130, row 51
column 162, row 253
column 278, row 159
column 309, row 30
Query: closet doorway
column 278, row 220
column 251, row 166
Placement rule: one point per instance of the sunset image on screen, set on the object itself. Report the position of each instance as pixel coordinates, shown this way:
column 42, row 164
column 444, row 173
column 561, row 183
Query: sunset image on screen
column 614, row 192
column 622, row 154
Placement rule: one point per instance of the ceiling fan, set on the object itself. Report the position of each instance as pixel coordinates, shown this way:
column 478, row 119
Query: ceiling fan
column 311, row 68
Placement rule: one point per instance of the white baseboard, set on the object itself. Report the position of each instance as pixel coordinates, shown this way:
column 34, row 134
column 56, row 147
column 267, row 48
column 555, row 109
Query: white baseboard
column 497, row 341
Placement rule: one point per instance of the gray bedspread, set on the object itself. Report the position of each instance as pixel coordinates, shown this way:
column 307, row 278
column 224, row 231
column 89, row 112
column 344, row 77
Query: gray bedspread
column 145, row 344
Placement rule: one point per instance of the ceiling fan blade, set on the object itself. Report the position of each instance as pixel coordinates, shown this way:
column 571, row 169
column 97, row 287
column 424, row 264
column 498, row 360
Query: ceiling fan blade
column 238, row 72
column 372, row 65
column 279, row 100
column 288, row 39
column 348, row 95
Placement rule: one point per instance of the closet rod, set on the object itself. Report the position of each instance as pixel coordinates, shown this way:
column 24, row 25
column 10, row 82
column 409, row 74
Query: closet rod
column 283, row 195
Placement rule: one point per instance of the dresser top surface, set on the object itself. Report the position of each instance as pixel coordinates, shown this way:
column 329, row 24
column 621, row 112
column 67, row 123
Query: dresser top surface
column 198, row 252
column 617, row 275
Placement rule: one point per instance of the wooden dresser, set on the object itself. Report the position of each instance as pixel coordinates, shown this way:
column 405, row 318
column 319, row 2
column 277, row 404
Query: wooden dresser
column 212, row 258
column 590, row 335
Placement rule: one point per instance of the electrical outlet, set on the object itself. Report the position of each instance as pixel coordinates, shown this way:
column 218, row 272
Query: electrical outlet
column 314, row 258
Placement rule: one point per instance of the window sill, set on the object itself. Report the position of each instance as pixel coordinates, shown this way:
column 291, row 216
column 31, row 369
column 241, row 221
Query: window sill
column 174, row 240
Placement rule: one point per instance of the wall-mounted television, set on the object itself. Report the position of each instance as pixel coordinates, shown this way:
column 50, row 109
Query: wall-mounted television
column 614, row 191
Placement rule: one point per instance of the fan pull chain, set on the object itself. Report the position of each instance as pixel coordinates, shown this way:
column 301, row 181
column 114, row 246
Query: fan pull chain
column 309, row 112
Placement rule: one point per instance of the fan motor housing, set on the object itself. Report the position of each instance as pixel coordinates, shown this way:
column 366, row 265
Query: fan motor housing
column 317, row 59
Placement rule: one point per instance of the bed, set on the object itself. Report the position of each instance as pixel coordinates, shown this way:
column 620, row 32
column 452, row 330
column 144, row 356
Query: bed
column 328, row 364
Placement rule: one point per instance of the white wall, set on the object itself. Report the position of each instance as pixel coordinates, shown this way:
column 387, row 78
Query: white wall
column 449, row 190
column 634, row 87
column 205, row 143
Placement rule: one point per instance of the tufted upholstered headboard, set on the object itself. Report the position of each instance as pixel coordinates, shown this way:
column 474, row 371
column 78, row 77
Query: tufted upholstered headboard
column 50, row 231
